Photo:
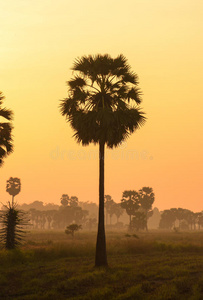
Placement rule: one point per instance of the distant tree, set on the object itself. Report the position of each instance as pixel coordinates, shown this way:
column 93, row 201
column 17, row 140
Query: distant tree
column 99, row 110
column 109, row 205
column 200, row 220
column 64, row 200
column 130, row 202
column 49, row 217
column 146, row 199
column 167, row 220
column 58, row 220
column 72, row 213
column 13, row 187
column 91, row 223
column 71, row 229
column 35, row 217
column 65, row 216
column 118, row 210
column 91, row 207
column 183, row 225
column 38, row 205
column 42, row 219
column 73, row 201
column 6, row 140
column 139, row 221
column 32, row 215
column 189, row 217
column 79, row 214
column 179, row 213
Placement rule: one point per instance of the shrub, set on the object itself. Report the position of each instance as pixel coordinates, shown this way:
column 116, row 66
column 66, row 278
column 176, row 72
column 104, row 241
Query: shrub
column 72, row 228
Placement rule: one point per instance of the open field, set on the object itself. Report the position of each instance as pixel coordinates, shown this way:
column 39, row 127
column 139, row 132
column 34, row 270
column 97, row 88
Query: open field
column 157, row 265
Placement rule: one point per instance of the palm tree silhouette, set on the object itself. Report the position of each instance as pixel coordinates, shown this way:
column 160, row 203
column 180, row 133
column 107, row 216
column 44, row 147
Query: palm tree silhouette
column 146, row 199
column 102, row 108
column 130, row 202
column 6, row 141
column 13, row 187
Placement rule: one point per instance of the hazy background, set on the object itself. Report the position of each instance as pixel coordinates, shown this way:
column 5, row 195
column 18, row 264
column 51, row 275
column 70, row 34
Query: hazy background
column 163, row 43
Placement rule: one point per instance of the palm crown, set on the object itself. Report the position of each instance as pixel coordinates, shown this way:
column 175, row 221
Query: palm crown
column 6, row 141
column 102, row 105
column 13, row 186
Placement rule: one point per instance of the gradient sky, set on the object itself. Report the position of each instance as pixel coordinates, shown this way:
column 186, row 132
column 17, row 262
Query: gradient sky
column 163, row 42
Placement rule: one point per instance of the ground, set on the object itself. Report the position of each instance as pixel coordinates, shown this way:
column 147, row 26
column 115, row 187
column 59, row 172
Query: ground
column 155, row 265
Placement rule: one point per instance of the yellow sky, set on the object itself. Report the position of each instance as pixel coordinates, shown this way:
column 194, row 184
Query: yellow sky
column 163, row 43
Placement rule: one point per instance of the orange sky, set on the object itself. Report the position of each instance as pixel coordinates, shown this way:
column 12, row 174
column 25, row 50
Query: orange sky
column 163, row 43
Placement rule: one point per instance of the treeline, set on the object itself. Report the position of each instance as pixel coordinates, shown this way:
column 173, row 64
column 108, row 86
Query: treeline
column 136, row 205
column 180, row 218
column 52, row 216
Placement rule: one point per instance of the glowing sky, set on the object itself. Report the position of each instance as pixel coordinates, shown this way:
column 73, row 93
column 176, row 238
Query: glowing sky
column 163, row 42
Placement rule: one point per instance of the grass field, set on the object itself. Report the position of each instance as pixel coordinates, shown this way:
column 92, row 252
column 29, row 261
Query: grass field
column 156, row 265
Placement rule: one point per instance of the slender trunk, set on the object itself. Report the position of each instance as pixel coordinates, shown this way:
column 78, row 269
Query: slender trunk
column 130, row 224
column 12, row 201
column 146, row 227
column 101, row 257
column 146, row 221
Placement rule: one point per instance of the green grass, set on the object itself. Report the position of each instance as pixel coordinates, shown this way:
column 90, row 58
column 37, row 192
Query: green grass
column 156, row 266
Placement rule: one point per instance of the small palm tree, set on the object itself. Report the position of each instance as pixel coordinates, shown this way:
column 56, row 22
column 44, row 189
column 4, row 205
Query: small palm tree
column 102, row 107
column 6, row 141
column 13, row 187
column 12, row 222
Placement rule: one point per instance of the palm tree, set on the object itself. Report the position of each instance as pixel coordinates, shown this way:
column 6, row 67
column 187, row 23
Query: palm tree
column 12, row 221
column 13, row 187
column 102, row 108
column 6, row 141
column 130, row 202
column 146, row 199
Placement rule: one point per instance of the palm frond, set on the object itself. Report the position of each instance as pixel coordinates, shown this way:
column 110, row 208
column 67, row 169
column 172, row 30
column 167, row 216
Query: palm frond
column 6, row 113
column 76, row 82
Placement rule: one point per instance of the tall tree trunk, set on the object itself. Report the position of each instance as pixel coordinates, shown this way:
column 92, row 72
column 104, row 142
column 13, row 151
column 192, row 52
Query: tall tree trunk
column 101, row 257
column 12, row 201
